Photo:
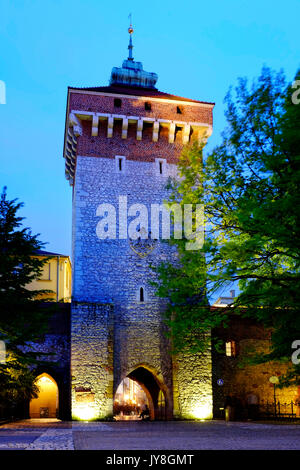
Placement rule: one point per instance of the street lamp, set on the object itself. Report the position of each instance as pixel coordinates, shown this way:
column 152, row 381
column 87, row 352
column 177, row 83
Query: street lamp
column 274, row 380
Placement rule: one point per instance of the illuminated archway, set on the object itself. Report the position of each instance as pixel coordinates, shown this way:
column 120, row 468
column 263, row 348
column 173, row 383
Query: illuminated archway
column 46, row 404
column 155, row 393
column 130, row 400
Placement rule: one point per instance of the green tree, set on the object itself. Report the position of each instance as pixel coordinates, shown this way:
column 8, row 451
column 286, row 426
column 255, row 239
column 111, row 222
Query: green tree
column 22, row 317
column 249, row 186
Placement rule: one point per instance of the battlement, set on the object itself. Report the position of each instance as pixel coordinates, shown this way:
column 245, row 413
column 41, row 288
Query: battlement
column 139, row 123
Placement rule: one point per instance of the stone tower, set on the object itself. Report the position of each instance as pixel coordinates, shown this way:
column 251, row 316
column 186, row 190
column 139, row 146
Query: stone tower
column 122, row 142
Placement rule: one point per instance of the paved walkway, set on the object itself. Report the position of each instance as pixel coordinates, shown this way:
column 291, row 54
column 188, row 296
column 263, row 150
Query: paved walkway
column 129, row 435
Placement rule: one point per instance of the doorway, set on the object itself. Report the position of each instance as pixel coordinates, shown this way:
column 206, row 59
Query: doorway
column 46, row 404
column 139, row 389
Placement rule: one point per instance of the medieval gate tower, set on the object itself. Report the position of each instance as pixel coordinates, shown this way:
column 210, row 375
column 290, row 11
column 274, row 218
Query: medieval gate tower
column 122, row 142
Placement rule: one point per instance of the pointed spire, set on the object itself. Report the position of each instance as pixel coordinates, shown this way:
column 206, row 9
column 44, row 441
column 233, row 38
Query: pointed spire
column 131, row 73
column 130, row 31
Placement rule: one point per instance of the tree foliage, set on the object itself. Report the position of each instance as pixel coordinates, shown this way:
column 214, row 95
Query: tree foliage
column 22, row 317
column 249, row 186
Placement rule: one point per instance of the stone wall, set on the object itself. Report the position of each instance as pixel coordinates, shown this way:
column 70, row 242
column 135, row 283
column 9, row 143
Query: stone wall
column 92, row 360
column 140, row 150
column 111, row 271
column 192, row 382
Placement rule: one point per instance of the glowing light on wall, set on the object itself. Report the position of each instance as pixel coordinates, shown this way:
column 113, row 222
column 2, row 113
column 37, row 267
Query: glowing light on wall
column 202, row 411
column 84, row 413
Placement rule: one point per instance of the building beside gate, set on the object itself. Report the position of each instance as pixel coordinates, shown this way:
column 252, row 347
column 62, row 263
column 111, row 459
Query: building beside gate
column 56, row 276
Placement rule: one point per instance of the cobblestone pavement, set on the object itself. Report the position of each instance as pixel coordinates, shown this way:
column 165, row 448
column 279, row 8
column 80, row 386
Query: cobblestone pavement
column 130, row 435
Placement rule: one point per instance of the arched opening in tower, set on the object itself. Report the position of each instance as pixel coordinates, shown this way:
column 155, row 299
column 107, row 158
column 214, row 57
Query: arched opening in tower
column 46, row 403
column 140, row 392
column 130, row 400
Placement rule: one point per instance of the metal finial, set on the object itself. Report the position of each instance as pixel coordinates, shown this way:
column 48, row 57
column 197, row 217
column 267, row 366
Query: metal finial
column 130, row 31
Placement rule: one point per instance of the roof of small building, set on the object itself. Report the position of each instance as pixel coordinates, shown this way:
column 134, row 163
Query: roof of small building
column 49, row 253
column 138, row 91
column 223, row 301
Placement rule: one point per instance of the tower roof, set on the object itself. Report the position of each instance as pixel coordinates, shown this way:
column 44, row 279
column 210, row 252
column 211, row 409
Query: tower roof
column 125, row 89
column 132, row 73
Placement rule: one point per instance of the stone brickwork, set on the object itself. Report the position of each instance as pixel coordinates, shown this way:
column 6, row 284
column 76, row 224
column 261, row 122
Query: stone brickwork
column 115, row 334
column 109, row 270
column 192, row 382
column 92, row 360
column 112, row 272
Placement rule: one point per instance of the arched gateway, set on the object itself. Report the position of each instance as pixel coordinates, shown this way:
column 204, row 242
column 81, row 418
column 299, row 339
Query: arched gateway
column 157, row 393
column 45, row 405
column 142, row 387
column 122, row 143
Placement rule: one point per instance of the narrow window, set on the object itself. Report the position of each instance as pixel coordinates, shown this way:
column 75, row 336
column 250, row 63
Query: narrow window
column 117, row 103
column 147, row 106
column 120, row 164
column 230, row 348
column 142, row 297
column 160, row 166
column 179, row 110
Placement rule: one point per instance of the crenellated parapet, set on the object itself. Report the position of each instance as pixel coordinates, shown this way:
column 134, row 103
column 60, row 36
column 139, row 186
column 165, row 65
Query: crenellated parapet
column 107, row 121
column 202, row 129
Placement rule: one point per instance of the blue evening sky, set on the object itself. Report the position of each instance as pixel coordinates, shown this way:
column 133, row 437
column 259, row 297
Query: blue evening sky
column 198, row 49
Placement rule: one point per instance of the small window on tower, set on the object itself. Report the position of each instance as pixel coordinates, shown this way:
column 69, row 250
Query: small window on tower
column 160, row 164
column 179, row 110
column 117, row 103
column 147, row 106
column 142, row 294
column 120, row 164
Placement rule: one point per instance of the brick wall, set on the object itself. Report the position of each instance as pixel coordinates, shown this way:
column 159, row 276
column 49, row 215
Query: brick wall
column 110, row 271
column 136, row 107
column 133, row 149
